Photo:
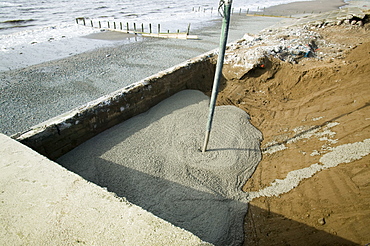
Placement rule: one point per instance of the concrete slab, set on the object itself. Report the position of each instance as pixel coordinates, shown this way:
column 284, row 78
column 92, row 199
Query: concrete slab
column 42, row 203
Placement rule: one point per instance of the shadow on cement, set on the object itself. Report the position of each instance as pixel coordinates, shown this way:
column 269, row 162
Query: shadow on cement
column 211, row 217
column 263, row 227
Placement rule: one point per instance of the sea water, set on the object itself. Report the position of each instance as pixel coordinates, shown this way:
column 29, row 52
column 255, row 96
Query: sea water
column 34, row 31
column 27, row 21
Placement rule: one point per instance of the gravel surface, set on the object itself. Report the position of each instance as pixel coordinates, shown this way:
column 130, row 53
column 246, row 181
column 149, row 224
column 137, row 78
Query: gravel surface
column 36, row 93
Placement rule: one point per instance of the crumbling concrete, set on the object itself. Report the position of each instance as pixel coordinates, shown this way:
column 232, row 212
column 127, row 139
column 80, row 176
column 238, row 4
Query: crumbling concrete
column 289, row 41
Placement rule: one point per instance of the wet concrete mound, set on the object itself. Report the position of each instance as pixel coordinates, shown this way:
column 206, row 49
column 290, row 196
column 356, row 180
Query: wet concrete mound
column 153, row 160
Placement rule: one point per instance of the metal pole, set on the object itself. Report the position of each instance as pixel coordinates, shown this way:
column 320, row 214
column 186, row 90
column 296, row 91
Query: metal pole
column 218, row 73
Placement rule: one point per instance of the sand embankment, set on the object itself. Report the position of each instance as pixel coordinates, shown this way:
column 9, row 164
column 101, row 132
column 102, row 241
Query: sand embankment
column 312, row 185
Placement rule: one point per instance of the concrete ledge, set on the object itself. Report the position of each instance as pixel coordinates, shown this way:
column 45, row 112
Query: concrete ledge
column 59, row 135
column 42, row 203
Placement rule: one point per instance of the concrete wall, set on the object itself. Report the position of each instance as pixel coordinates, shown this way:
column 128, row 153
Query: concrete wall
column 59, row 135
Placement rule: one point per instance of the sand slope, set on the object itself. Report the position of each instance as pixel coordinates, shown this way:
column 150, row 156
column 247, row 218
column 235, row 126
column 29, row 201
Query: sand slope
column 312, row 113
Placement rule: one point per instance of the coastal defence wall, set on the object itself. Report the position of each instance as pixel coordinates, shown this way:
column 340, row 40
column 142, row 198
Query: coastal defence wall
column 57, row 136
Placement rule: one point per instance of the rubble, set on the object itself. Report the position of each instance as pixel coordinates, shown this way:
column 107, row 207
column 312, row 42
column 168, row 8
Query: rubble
column 290, row 43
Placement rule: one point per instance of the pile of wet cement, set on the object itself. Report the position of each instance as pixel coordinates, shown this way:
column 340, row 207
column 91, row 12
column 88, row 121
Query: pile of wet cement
column 153, row 160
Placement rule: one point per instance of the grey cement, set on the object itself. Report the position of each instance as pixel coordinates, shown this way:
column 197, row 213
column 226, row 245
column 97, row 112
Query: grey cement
column 36, row 93
column 153, row 160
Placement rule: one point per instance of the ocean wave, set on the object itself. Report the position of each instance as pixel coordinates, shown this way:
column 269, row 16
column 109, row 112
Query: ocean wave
column 13, row 27
column 171, row 15
column 8, row 4
column 18, row 21
column 101, row 7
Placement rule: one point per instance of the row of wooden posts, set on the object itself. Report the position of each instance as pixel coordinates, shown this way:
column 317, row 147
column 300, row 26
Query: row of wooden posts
column 120, row 26
column 199, row 9
column 136, row 29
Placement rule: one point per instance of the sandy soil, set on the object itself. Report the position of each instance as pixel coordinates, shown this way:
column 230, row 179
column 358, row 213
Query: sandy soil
column 304, row 111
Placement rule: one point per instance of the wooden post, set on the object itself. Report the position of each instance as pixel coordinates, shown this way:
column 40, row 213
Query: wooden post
column 159, row 28
column 134, row 27
column 142, row 27
column 84, row 21
column 114, row 24
column 247, row 10
column 127, row 28
column 91, row 22
column 240, row 11
column 150, row 27
column 77, row 21
column 188, row 29
column 108, row 24
column 99, row 24
column 120, row 25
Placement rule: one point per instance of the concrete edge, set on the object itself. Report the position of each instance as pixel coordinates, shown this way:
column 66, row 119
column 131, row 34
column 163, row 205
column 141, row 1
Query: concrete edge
column 45, row 204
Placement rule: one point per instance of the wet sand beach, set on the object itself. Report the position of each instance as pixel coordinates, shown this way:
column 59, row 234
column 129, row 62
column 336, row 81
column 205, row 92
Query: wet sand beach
column 305, row 7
